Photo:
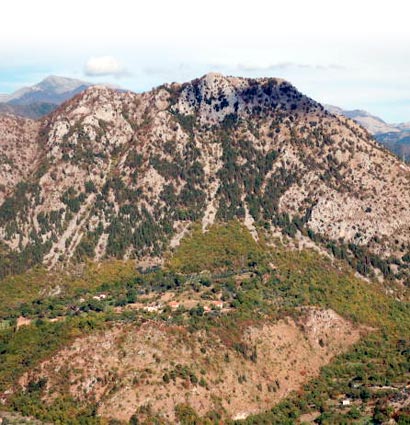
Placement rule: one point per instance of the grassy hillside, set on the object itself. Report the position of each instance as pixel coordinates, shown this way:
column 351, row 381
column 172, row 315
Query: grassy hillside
column 39, row 284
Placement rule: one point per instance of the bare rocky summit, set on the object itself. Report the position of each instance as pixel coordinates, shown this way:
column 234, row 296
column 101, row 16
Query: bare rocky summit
column 119, row 174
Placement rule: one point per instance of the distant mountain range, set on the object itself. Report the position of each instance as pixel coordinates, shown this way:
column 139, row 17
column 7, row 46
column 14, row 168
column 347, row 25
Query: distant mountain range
column 42, row 98
column 396, row 137
column 52, row 89
column 33, row 110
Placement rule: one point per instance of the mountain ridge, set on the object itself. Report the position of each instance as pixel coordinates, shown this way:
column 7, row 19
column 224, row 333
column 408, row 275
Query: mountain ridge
column 52, row 89
column 40, row 99
column 396, row 137
column 123, row 174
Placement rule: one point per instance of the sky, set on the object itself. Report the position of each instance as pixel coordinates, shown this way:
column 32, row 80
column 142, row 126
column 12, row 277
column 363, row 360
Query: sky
column 353, row 54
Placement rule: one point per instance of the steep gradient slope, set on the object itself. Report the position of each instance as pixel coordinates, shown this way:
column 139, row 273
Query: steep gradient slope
column 372, row 123
column 19, row 152
column 124, row 174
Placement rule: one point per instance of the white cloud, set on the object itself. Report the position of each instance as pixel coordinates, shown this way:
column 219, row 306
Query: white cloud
column 350, row 55
column 104, row 66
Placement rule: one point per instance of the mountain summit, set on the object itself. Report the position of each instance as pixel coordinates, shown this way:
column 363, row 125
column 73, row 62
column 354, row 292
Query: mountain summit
column 52, row 89
column 372, row 123
column 40, row 99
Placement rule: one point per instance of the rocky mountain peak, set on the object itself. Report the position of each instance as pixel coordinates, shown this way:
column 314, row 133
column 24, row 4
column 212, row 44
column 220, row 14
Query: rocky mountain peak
column 119, row 174
column 60, row 84
column 52, row 90
column 214, row 97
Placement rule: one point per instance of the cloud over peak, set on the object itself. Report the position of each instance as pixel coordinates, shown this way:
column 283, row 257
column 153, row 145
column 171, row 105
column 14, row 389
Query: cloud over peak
column 104, row 66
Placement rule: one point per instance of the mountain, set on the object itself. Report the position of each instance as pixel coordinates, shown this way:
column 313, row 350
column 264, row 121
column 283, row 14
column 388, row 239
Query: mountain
column 31, row 110
column 265, row 334
column 214, row 251
column 123, row 174
column 52, row 89
column 373, row 124
column 42, row 98
column 396, row 137
column 397, row 141
column 19, row 151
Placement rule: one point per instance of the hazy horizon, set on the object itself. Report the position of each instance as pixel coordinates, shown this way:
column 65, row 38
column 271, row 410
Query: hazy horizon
column 355, row 56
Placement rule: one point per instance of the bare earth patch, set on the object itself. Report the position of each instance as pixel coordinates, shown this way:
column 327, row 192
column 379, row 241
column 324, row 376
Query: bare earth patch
column 129, row 367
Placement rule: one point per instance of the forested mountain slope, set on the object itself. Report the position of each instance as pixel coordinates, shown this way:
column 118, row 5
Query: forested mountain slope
column 122, row 174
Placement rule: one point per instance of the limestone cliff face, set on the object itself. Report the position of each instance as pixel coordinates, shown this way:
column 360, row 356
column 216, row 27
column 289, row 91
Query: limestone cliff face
column 122, row 174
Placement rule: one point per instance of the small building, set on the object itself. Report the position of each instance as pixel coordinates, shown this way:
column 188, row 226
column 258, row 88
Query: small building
column 346, row 402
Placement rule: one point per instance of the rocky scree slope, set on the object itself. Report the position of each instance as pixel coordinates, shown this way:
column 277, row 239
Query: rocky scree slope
column 115, row 174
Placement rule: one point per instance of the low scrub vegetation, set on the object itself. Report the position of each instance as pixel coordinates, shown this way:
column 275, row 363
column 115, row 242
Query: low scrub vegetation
column 256, row 283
